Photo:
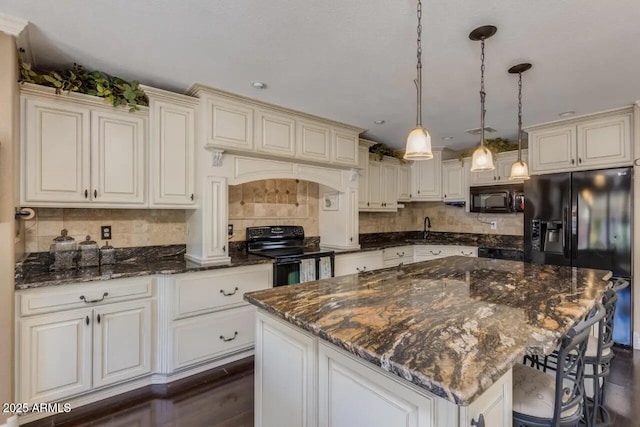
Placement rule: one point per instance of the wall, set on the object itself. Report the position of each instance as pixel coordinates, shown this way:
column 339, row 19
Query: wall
column 10, row 243
column 443, row 218
column 273, row 202
column 130, row 227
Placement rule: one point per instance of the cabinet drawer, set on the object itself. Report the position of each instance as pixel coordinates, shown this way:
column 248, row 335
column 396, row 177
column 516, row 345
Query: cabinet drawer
column 46, row 300
column 434, row 250
column 201, row 338
column 205, row 292
column 401, row 253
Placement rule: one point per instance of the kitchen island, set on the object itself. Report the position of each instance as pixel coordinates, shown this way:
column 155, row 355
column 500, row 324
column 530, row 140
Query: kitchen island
column 428, row 344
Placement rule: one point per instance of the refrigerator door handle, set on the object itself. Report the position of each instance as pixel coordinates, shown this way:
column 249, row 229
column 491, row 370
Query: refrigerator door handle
column 565, row 233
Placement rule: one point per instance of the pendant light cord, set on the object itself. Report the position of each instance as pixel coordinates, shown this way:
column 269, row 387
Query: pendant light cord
column 418, row 80
column 520, row 117
column 483, row 94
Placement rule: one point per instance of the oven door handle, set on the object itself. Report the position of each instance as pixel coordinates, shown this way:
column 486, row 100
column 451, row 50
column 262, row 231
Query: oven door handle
column 288, row 262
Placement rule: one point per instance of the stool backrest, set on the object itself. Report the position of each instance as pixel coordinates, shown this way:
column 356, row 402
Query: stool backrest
column 605, row 327
column 570, row 372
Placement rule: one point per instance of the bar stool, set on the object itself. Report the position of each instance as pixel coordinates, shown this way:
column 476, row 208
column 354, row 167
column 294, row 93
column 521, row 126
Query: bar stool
column 598, row 360
column 539, row 399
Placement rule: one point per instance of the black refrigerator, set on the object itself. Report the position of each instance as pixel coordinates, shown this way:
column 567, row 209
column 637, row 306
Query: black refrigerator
column 584, row 219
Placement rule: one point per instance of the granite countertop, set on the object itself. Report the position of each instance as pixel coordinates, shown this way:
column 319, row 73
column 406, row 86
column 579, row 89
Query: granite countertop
column 33, row 271
column 452, row 326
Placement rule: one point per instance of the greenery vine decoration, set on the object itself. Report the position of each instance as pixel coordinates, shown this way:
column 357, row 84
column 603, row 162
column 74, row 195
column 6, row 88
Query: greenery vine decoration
column 380, row 150
column 496, row 145
column 114, row 90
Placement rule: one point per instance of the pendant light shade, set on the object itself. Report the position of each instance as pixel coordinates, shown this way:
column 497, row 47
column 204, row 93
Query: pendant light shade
column 519, row 170
column 482, row 159
column 419, row 141
column 418, row 145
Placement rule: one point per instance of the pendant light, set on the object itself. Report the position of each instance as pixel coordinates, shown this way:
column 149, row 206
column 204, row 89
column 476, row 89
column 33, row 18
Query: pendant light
column 482, row 159
column 419, row 141
column 519, row 170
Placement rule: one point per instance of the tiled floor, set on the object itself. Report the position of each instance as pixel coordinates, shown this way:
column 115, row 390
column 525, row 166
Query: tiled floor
column 225, row 399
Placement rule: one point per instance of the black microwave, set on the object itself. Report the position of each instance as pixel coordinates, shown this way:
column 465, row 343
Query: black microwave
column 497, row 199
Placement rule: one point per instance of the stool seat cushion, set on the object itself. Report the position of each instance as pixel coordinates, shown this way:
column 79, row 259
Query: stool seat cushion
column 592, row 348
column 534, row 393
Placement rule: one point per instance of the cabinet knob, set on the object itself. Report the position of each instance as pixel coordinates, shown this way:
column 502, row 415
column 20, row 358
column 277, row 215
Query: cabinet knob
column 224, row 248
column 235, row 334
column 418, row 191
column 573, row 161
column 445, row 196
column 579, row 159
column 192, row 197
column 87, row 320
column 367, row 203
column 86, row 194
column 95, row 193
column 230, row 293
column 98, row 318
column 499, row 178
column 412, row 196
column 351, row 239
column 494, row 178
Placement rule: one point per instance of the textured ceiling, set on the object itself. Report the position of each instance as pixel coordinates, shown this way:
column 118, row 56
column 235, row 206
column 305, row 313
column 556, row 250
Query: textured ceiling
column 354, row 61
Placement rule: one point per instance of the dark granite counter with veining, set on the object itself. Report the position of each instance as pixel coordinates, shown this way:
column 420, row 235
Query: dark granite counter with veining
column 33, row 271
column 452, row 326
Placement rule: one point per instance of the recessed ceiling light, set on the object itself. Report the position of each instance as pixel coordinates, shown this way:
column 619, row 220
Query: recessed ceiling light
column 567, row 114
column 447, row 138
column 259, row 85
column 379, row 122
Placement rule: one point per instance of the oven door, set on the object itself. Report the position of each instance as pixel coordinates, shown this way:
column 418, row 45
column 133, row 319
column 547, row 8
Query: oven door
column 286, row 272
column 488, row 201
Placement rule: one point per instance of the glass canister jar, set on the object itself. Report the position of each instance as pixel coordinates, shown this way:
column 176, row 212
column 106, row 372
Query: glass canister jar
column 89, row 253
column 63, row 252
column 107, row 255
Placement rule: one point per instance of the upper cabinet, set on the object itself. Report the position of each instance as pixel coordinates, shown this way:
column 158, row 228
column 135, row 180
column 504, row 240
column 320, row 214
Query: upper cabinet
column 500, row 175
column 377, row 182
column 426, row 179
column 172, row 149
column 248, row 126
column 455, row 187
column 596, row 141
column 404, row 182
column 77, row 152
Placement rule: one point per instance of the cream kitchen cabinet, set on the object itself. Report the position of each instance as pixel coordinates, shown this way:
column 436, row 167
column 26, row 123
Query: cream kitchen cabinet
column 363, row 178
column 171, row 149
column 344, row 147
column 597, row 141
column 397, row 255
column 76, row 152
column 275, row 133
column 64, row 353
column 228, row 124
column 500, row 175
column 314, row 141
column 427, row 179
column 404, row 183
column 429, row 252
column 358, row 262
column 455, row 186
column 383, row 185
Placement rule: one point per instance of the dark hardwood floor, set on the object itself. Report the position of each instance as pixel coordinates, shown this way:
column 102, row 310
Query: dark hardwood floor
column 223, row 397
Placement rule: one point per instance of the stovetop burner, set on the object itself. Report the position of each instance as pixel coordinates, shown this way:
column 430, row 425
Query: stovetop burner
column 280, row 241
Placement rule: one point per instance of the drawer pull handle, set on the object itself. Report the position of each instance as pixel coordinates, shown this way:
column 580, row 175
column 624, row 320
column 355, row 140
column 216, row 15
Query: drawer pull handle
column 230, row 293
column 479, row 423
column 93, row 301
column 361, row 270
column 400, row 254
column 235, row 334
column 434, row 253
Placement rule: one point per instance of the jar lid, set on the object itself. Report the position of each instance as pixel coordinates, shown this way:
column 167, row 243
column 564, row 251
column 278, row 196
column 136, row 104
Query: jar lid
column 88, row 241
column 63, row 237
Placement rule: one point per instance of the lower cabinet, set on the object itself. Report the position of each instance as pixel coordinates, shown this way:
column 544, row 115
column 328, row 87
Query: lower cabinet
column 358, row 262
column 397, row 255
column 429, row 252
column 66, row 353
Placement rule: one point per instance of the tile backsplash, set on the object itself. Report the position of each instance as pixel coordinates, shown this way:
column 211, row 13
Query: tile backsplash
column 273, row 202
column 130, row 227
column 444, row 218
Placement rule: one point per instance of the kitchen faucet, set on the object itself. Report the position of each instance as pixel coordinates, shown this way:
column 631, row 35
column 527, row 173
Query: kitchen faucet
column 427, row 227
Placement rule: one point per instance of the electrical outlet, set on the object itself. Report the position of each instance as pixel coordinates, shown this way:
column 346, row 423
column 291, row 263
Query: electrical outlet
column 494, row 225
column 105, row 232
column 230, row 229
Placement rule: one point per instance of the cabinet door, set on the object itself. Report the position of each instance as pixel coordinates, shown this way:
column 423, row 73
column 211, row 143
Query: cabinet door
column 553, row 150
column 390, row 186
column 363, row 178
column 214, row 204
column 605, row 142
column 231, row 124
column 427, row 175
column 275, row 133
column 483, row 177
column 494, row 405
column 404, row 183
column 503, row 166
column 122, row 342
column 358, row 262
column 344, row 147
column 314, row 141
column 375, row 185
column 454, row 187
column 55, row 356
column 172, row 150
column 55, row 152
column 118, row 145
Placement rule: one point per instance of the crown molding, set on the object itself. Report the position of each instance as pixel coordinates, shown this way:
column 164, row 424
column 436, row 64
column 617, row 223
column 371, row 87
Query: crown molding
column 12, row 25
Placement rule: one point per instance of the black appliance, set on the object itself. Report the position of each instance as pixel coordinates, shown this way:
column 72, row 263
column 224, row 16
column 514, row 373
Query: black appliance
column 584, row 219
column 294, row 263
column 497, row 199
column 501, row 253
